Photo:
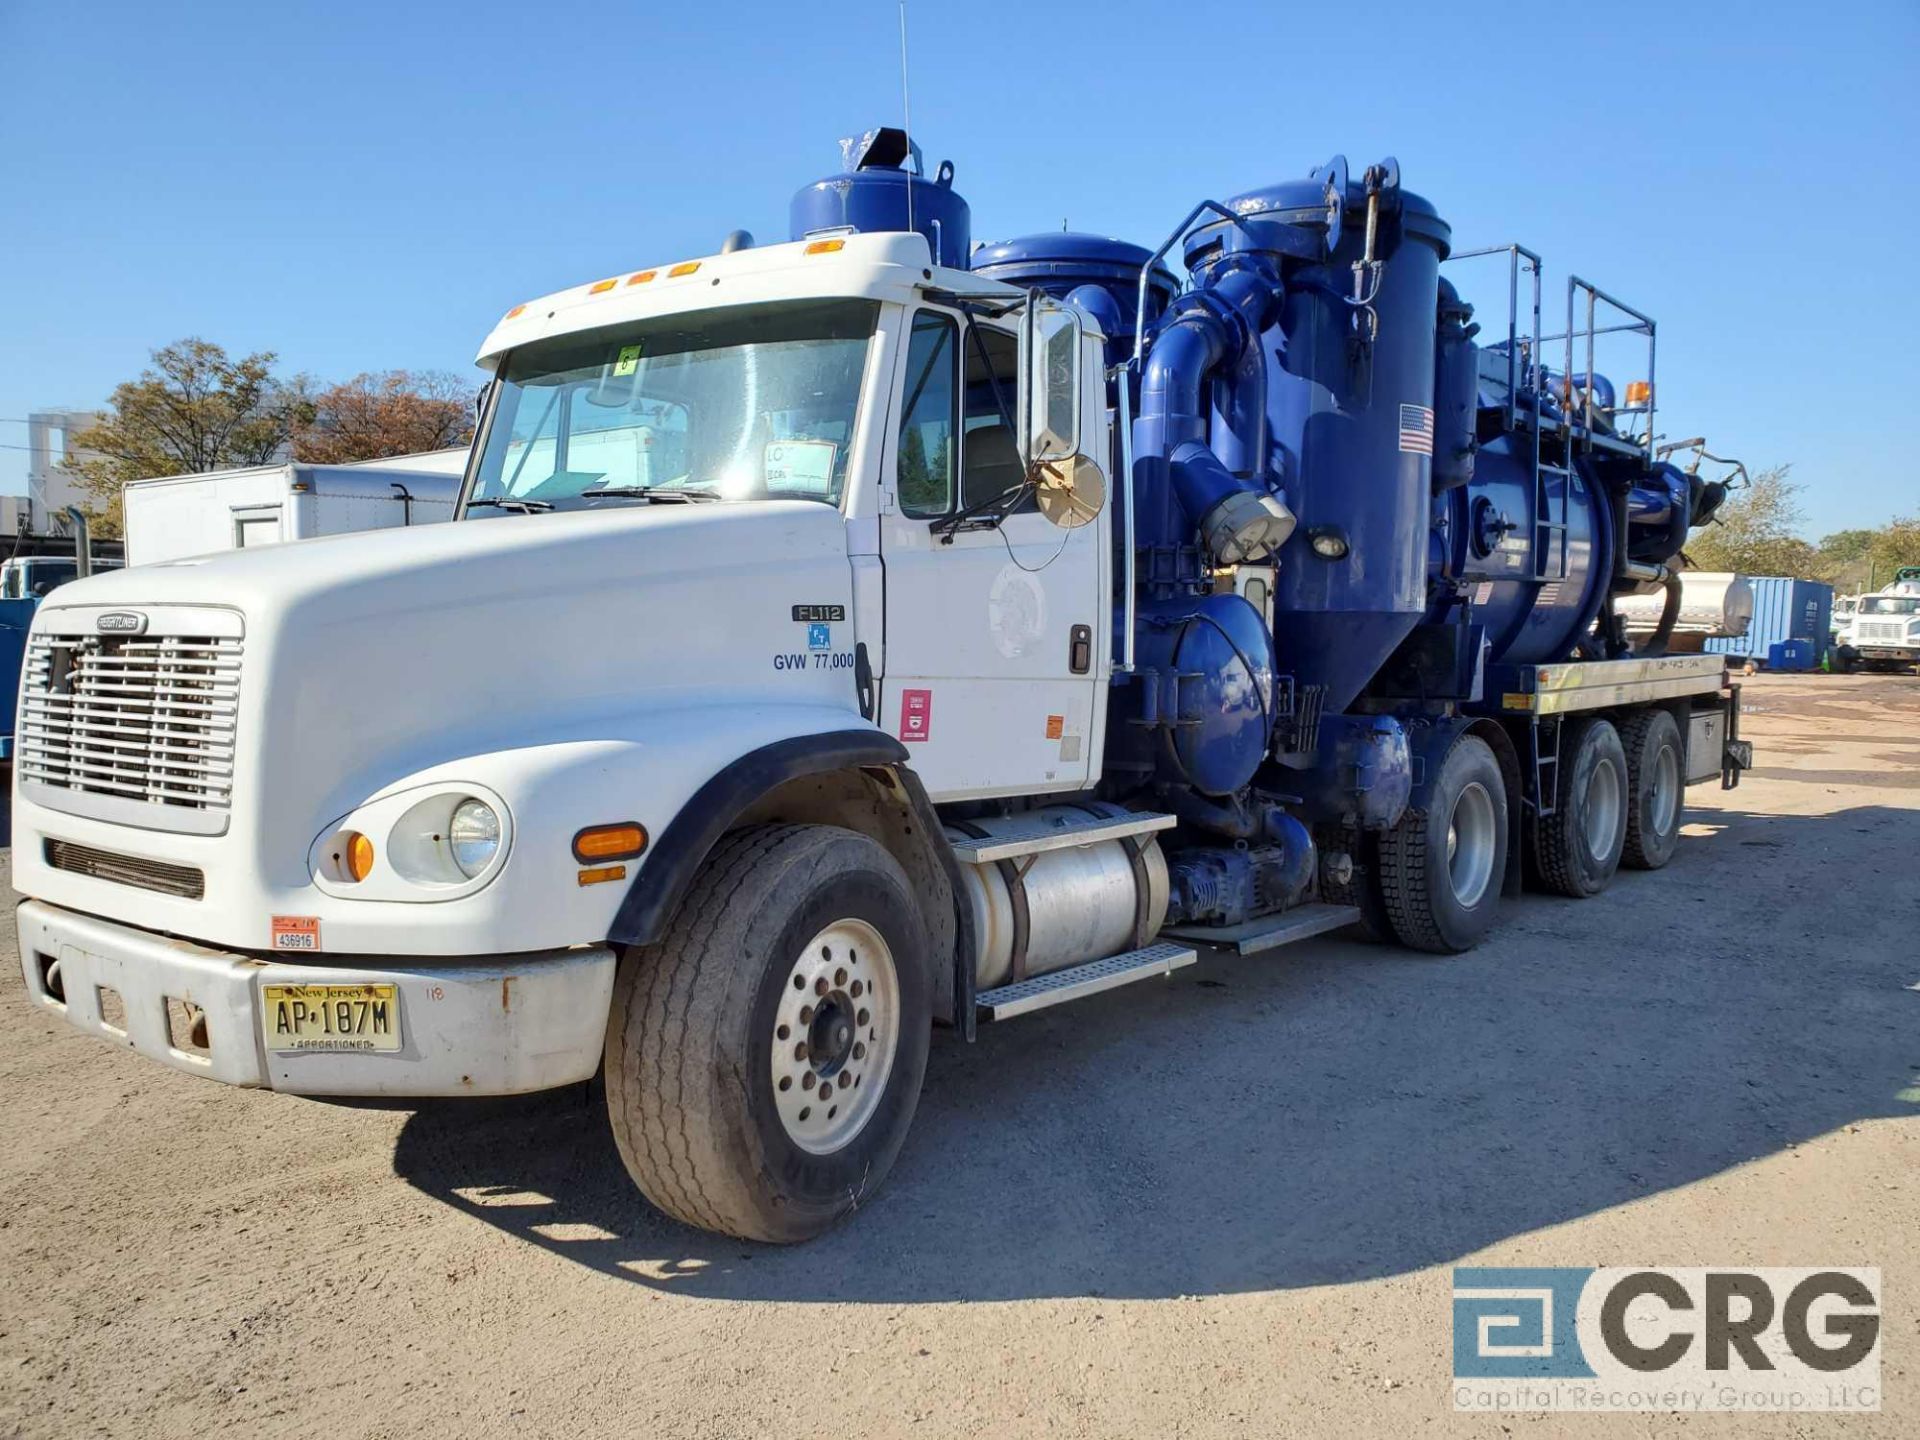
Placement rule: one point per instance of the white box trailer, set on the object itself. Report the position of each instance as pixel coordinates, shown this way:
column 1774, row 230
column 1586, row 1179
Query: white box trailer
column 172, row 517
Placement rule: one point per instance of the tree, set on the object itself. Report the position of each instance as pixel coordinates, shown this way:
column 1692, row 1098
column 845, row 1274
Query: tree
column 1897, row 544
column 1843, row 559
column 1755, row 532
column 374, row 417
column 195, row 409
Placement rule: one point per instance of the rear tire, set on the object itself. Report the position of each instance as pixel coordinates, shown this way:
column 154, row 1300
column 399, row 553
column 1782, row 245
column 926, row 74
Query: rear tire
column 1656, row 784
column 764, row 1059
column 1577, row 848
column 1441, row 867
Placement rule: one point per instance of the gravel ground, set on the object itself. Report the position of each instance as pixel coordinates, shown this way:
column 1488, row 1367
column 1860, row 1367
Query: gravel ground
column 1229, row 1206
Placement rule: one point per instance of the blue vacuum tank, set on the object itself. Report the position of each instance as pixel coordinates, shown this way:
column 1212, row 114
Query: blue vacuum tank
column 877, row 192
column 1349, row 414
column 1098, row 276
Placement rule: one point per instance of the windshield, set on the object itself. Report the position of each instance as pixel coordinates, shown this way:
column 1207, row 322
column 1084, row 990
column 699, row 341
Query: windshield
column 1890, row 605
column 26, row 578
column 755, row 402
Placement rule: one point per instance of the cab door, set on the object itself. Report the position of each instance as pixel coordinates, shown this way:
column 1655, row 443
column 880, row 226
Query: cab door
column 996, row 639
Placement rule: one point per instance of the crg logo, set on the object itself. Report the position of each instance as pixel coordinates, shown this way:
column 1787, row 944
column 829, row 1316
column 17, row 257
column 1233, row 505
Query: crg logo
column 121, row 622
column 1626, row 1338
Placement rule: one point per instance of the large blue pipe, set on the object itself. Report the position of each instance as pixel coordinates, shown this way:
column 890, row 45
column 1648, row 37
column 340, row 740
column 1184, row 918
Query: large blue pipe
column 1181, row 482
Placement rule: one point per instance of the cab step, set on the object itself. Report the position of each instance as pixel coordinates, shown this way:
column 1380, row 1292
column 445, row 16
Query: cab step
column 1056, row 832
column 1076, row 982
column 1269, row 932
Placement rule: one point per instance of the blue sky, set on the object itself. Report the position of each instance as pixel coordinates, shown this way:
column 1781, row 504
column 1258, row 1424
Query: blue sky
column 363, row 186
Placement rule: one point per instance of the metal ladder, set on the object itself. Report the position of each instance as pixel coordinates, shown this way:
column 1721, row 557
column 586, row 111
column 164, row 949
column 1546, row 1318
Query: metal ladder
column 1544, row 743
column 1550, row 536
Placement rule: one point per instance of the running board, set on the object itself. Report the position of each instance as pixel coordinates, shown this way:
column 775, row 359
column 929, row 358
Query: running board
column 1055, row 832
column 1076, row 982
column 1269, row 932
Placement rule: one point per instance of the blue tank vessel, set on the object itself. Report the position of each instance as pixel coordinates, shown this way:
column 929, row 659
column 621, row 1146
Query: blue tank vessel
column 877, row 191
column 1312, row 409
column 1351, row 547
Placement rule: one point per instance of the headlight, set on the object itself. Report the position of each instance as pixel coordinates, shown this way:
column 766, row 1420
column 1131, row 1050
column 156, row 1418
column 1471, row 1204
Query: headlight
column 473, row 835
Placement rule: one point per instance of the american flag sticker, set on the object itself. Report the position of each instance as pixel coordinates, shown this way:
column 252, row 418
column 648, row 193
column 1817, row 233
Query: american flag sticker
column 1416, row 429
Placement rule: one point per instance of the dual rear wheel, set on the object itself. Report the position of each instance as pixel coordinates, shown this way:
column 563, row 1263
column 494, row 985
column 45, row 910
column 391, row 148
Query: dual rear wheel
column 1438, row 873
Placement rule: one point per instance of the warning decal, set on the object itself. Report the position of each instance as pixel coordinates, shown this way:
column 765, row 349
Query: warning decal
column 916, row 714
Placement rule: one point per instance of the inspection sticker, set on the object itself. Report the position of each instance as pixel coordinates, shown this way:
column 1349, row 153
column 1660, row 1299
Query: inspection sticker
column 296, row 932
column 627, row 361
column 916, row 714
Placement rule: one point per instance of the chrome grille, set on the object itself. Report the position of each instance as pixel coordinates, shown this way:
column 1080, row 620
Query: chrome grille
column 184, row 880
column 1880, row 629
column 144, row 720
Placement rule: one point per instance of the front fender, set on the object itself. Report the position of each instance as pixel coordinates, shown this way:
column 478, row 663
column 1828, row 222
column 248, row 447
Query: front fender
column 714, row 808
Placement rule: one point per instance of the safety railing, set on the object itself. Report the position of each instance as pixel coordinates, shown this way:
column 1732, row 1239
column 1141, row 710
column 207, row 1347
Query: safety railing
column 1640, row 324
column 1519, row 260
column 1552, row 484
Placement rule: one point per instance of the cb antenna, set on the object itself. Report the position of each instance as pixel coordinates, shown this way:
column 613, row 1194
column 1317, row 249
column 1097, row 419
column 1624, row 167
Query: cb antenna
column 906, row 110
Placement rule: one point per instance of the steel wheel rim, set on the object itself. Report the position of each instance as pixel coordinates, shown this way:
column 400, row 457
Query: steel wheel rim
column 1601, row 809
column 836, row 1031
column 1470, row 844
column 1666, row 791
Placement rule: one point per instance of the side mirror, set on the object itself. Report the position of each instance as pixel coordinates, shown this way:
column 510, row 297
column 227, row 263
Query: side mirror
column 1050, row 382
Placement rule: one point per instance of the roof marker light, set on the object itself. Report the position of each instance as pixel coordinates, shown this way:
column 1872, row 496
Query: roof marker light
column 600, row 287
column 686, row 267
column 825, row 247
column 516, row 310
column 641, row 277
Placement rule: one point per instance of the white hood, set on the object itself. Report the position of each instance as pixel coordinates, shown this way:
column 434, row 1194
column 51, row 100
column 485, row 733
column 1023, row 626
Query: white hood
column 371, row 656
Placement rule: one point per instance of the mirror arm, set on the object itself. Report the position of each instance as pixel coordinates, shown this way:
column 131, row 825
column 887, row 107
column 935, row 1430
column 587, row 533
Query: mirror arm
column 1004, row 501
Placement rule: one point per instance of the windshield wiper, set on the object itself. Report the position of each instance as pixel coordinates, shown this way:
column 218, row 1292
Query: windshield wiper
column 519, row 507
column 651, row 492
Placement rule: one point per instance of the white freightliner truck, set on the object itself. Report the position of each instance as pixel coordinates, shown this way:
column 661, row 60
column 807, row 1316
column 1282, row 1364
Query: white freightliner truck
column 1884, row 630
column 754, row 717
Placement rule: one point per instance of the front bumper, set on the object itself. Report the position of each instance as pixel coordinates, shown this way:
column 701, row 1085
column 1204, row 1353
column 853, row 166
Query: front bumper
column 501, row 1025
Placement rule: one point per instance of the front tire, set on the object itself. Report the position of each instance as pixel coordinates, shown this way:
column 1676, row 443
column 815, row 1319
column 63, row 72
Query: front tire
column 1441, row 867
column 1655, row 787
column 764, row 1059
column 1577, row 848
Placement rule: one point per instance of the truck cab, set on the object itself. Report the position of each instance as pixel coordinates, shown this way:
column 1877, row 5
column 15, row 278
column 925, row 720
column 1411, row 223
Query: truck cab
column 1884, row 632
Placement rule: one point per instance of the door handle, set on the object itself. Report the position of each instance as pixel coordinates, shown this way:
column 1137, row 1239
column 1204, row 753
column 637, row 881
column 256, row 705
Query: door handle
column 1080, row 649
column 863, row 680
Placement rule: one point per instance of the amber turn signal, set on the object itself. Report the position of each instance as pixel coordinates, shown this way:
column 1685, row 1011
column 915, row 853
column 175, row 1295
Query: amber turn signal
column 356, row 856
column 1639, row 392
column 599, row 843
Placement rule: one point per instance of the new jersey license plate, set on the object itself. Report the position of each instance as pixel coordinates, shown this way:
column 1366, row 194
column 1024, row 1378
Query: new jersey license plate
column 331, row 1017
